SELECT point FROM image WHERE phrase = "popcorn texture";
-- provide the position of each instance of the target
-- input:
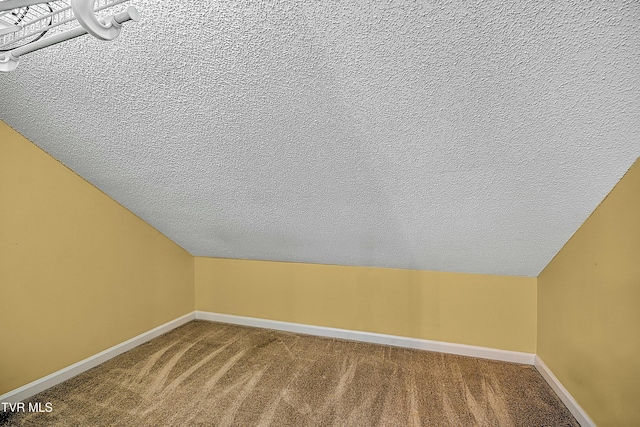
(457, 136)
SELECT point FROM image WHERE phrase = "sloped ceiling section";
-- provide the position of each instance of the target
(453, 136)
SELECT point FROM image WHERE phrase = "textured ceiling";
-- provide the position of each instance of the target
(458, 136)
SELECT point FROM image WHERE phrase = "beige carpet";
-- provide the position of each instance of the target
(212, 374)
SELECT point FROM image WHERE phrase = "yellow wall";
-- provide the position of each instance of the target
(482, 310)
(78, 272)
(589, 309)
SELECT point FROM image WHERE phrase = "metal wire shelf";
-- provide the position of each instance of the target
(28, 25)
(29, 22)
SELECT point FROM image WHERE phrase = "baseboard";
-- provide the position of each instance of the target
(64, 374)
(370, 337)
(571, 404)
(35, 387)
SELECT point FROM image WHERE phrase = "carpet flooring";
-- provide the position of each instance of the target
(212, 374)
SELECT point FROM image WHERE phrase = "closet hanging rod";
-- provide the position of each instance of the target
(131, 14)
(30, 25)
(60, 16)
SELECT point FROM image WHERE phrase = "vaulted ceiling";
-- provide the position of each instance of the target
(452, 136)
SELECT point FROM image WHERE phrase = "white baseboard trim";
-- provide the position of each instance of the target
(35, 387)
(581, 416)
(370, 337)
